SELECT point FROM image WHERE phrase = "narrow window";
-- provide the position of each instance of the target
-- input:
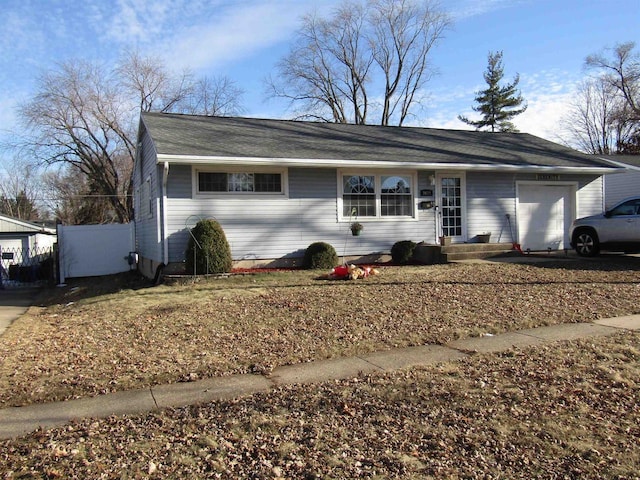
(359, 196)
(396, 198)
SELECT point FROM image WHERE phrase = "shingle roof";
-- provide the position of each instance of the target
(201, 136)
(633, 160)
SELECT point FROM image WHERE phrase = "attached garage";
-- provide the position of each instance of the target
(545, 213)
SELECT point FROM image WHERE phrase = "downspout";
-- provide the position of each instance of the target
(165, 240)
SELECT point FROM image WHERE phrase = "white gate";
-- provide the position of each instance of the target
(94, 250)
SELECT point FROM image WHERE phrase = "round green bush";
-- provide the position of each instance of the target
(402, 251)
(320, 255)
(212, 252)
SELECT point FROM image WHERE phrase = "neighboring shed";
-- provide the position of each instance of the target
(276, 186)
(619, 186)
(23, 248)
(19, 234)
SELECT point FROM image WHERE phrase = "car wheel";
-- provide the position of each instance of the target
(586, 243)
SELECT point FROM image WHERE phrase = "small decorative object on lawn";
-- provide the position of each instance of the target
(356, 228)
(351, 272)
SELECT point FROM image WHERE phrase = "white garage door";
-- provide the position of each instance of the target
(544, 216)
(12, 244)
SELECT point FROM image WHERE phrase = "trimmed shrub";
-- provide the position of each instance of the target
(402, 251)
(212, 252)
(320, 255)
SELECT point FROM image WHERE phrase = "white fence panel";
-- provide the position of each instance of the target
(94, 250)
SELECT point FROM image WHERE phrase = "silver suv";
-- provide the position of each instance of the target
(616, 229)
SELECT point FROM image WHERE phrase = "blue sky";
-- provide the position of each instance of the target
(545, 41)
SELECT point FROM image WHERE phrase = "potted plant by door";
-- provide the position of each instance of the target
(356, 228)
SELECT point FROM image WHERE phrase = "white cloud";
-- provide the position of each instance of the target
(136, 21)
(200, 33)
(544, 115)
(461, 9)
(233, 34)
(548, 95)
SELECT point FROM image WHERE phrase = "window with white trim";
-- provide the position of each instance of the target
(358, 196)
(396, 199)
(377, 196)
(239, 182)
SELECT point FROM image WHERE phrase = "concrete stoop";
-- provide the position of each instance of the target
(431, 254)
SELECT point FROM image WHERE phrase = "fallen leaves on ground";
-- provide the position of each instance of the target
(88, 343)
(564, 410)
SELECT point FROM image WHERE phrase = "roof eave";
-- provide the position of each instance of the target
(27, 228)
(624, 167)
(341, 163)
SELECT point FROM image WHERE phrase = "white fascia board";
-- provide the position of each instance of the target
(625, 167)
(321, 162)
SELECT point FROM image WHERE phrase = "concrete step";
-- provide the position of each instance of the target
(453, 256)
(430, 254)
(475, 247)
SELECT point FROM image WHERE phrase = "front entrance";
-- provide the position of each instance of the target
(451, 198)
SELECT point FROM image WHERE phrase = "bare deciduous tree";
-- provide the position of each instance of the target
(622, 71)
(330, 72)
(80, 118)
(604, 118)
(84, 117)
(592, 121)
(327, 67)
(69, 196)
(19, 191)
(147, 79)
(157, 90)
(404, 32)
(212, 96)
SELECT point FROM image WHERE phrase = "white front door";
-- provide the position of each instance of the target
(451, 201)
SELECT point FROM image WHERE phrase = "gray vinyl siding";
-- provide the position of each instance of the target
(490, 197)
(179, 182)
(620, 186)
(271, 226)
(148, 241)
(277, 226)
(8, 226)
(590, 195)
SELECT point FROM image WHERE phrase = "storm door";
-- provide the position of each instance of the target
(451, 203)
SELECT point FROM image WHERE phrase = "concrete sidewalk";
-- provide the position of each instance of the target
(14, 303)
(17, 421)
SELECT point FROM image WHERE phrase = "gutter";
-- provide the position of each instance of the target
(622, 165)
(163, 210)
(297, 162)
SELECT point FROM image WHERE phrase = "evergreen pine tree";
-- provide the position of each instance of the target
(498, 105)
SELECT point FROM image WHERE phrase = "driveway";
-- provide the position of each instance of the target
(13, 303)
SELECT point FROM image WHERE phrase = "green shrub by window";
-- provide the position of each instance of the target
(320, 255)
(402, 251)
(212, 252)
